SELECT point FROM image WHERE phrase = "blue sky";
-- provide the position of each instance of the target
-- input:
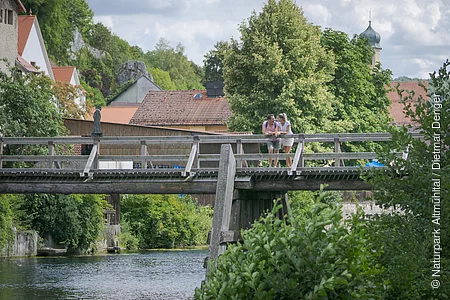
(415, 34)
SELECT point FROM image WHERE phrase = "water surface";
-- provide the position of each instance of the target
(143, 275)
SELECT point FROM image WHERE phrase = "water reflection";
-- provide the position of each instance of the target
(144, 275)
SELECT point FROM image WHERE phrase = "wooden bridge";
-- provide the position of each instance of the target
(209, 164)
(59, 169)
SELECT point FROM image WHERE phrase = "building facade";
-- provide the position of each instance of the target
(9, 10)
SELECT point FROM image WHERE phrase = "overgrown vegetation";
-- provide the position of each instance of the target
(413, 244)
(317, 257)
(166, 221)
(73, 221)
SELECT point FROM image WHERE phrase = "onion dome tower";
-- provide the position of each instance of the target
(374, 39)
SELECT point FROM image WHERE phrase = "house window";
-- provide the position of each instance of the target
(10, 17)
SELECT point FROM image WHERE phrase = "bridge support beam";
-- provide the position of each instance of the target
(224, 198)
(237, 209)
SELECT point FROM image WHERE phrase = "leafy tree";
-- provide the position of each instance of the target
(6, 221)
(183, 73)
(360, 91)
(162, 79)
(27, 106)
(406, 78)
(73, 221)
(320, 257)
(166, 221)
(279, 66)
(67, 95)
(409, 241)
(213, 62)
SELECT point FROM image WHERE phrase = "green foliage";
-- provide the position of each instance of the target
(6, 221)
(183, 73)
(126, 238)
(279, 66)
(213, 62)
(74, 221)
(166, 221)
(360, 91)
(162, 79)
(405, 243)
(321, 257)
(408, 241)
(93, 95)
(27, 107)
(406, 79)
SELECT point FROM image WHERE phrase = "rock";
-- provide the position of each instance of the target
(78, 43)
(131, 70)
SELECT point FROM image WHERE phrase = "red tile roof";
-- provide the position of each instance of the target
(193, 107)
(25, 25)
(115, 114)
(63, 74)
(20, 6)
(396, 110)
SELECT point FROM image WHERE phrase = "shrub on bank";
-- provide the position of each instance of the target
(322, 257)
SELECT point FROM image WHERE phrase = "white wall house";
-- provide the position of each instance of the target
(31, 45)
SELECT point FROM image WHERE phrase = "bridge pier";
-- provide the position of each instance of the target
(234, 209)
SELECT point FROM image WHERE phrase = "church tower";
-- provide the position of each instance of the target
(374, 39)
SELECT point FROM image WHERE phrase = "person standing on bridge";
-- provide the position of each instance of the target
(271, 129)
(285, 128)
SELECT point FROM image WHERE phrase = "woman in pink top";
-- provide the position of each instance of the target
(271, 129)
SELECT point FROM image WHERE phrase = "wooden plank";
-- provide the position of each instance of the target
(337, 149)
(297, 157)
(311, 185)
(223, 202)
(44, 157)
(119, 187)
(90, 161)
(191, 159)
(51, 152)
(144, 153)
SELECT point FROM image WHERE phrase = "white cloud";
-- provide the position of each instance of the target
(414, 33)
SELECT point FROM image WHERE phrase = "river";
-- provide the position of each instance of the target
(143, 275)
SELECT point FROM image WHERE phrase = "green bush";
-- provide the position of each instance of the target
(73, 221)
(166, 221)
(322, 257)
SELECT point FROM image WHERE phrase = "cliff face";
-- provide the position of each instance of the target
(131, 70)
(78, 43)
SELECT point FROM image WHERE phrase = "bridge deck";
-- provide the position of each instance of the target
(60, 171)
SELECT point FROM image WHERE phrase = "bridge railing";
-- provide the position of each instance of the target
(186, 163)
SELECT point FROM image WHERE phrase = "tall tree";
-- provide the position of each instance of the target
(213, 62)
(360, 91)
(279, 66)
(183, 73)
(27, 106)
(413, 242)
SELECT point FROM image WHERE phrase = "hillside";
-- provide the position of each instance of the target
(72, 38)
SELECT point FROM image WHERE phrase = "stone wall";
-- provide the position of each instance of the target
(9, 35)
(25, 244)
